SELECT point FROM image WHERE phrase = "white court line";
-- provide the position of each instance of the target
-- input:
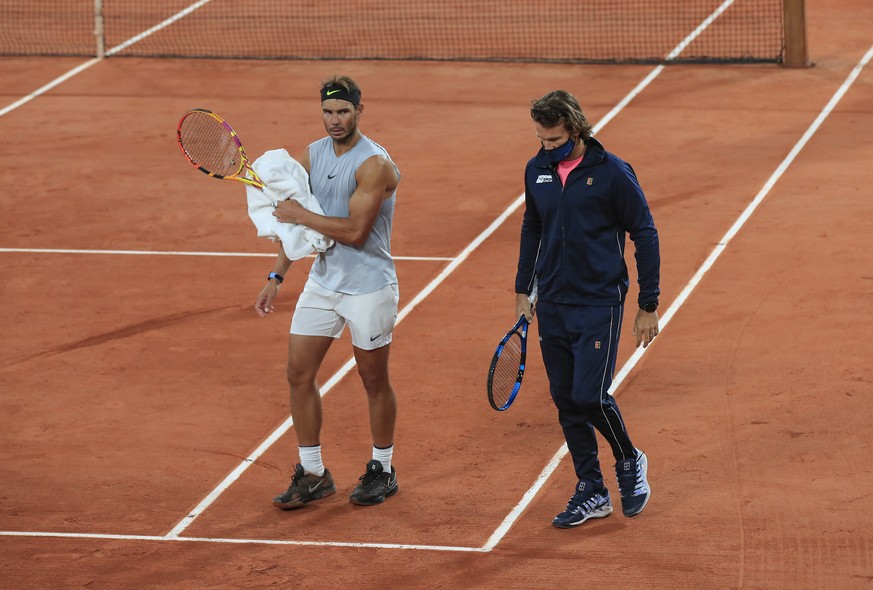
(184, 253)
(549, 469)
(686, 292)
(40, 91)
(747, 213)
(137, 38)
(285, 426)
(242, 541)
(700, 28)
(348, 366)
(507, 523)
(82, 67)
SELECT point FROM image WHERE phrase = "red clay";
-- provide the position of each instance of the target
(132, 385)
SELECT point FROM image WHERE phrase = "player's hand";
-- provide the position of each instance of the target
(289, 211)
(645, 327)
(264, 303)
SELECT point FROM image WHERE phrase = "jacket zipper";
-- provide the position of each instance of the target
(563, 234)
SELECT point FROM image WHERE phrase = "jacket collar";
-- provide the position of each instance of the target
(594, 154)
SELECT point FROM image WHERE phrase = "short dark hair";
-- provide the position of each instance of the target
(560, 107)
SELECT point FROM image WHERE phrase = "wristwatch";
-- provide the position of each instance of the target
(650, 307)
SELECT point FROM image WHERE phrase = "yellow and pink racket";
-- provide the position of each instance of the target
(213, 147)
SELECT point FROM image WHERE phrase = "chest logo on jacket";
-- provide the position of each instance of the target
(590, 181)
(544, 178)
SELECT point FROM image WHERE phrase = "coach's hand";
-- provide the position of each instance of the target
(645, 327)
(523, 306)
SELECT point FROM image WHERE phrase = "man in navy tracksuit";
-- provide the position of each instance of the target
(581, 201)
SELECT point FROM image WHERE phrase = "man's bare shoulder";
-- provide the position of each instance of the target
(305, 161)
(379, 166)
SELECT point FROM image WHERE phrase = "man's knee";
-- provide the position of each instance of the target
(375, 382)
(299, 379)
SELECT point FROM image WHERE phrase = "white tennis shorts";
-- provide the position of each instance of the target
(370, 317)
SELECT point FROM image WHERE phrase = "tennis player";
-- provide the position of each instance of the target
(580, 203)
(354, 283)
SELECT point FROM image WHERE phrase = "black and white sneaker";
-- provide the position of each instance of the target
(375, 485)
(304, 488)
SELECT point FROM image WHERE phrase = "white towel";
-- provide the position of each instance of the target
(284, 177)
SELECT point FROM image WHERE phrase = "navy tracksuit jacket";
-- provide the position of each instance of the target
(573, 244)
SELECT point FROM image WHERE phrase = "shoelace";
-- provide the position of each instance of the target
(295, 479)
(585, 505)
(369, 478)
(636, 476)
(371, 475)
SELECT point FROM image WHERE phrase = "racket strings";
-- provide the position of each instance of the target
(210, 144)
(505, 374)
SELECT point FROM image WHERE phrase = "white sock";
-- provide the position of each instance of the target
(310, 458)
(383, 456)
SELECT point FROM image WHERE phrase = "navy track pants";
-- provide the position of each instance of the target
(579, 345)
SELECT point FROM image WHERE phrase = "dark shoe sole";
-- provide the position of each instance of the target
(375, 501)
(635, 511)
(301, 502)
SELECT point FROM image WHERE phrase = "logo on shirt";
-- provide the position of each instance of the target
(329, 177)
(590, 181)
(544, 178)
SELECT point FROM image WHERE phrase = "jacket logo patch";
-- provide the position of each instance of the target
(544, 178)
(597, 344)
(590, 181)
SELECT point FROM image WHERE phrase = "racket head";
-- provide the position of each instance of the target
(211, 145)
(506, 371)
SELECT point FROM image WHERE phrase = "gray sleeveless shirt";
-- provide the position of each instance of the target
(343, 268)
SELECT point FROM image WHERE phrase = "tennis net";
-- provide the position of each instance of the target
(568, 31)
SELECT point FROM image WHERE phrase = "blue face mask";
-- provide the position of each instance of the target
(559, 153)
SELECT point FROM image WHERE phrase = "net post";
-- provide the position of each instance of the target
(794, 23)
(98, 29)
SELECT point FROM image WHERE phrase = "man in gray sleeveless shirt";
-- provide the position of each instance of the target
(353, 283)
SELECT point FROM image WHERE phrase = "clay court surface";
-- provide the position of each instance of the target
(138, 384)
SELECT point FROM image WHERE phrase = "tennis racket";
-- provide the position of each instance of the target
(213, 147)
(507, 365)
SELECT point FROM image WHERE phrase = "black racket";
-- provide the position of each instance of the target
(507, 365)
